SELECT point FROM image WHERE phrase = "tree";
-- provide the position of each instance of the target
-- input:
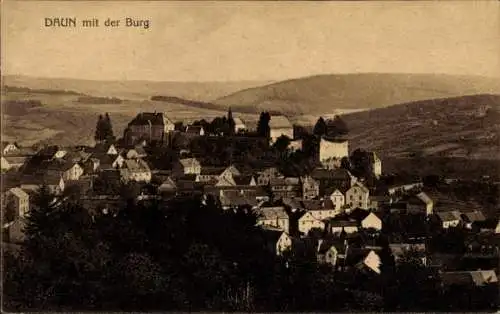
(108, 128)
(337, 127)
(100, 132)
(263, 129)
(230, 122)
(320, 128)
(282, 143)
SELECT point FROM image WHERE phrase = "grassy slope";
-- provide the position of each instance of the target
(65, 121)
(323, 94)
(202, 91)
(441, 127)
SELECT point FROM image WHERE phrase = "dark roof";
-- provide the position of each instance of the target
(40, 179)
(312, 204)
(58, 165)
(359, 214)
(212, 170)
(326, 244)
(194, 129)
(144, 118)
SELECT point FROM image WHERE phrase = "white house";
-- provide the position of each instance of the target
(372, 262)
(187, 166)
(338, 199)
(9, 148)
(308, 222)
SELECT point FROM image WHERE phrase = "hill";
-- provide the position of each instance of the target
(323, 94)
(201, 91)
(466, 126)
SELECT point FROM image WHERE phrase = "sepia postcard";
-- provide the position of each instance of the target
(250, 156)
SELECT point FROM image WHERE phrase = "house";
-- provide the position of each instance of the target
(472, 217)
(295, 145)
(497, 228)
(108, 161)
(230, 172)
(274, 217)
(420, 203)
(68, 170)
(477, 278)
(19, 200)
(338, 199)
(239, 125)
(331, 179)
(318, 209)
(308, 221)
(136, 152)
(285, 187)
(167, 186)
(264, 176)
(310, 188)
(105, 148)
(12, 162)
(369, 261)
(449, 219)
(331, 251)
(330, 149)
(135, 170)
(277, 241)
(9, 148)
(358, 196)
(195, 130)
(54, 183)
(366, 219)
(235, 199)
(417, 250)
(210, 174)
(280, 125)
(186, 166)
(149, 126)
(342, 224)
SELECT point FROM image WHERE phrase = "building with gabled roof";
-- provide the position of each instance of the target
(149, 126)
(186, 166)
(449, 219)
(308, 221)
(358, 196)
(277, 241)
(135, 170)
(274, 217)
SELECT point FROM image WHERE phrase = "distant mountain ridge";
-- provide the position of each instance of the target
(466, 126)
(133, 89)
(323, 94)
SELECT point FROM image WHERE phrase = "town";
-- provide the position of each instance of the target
(324, 214)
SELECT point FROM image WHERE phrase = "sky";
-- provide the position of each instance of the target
(233, 41)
